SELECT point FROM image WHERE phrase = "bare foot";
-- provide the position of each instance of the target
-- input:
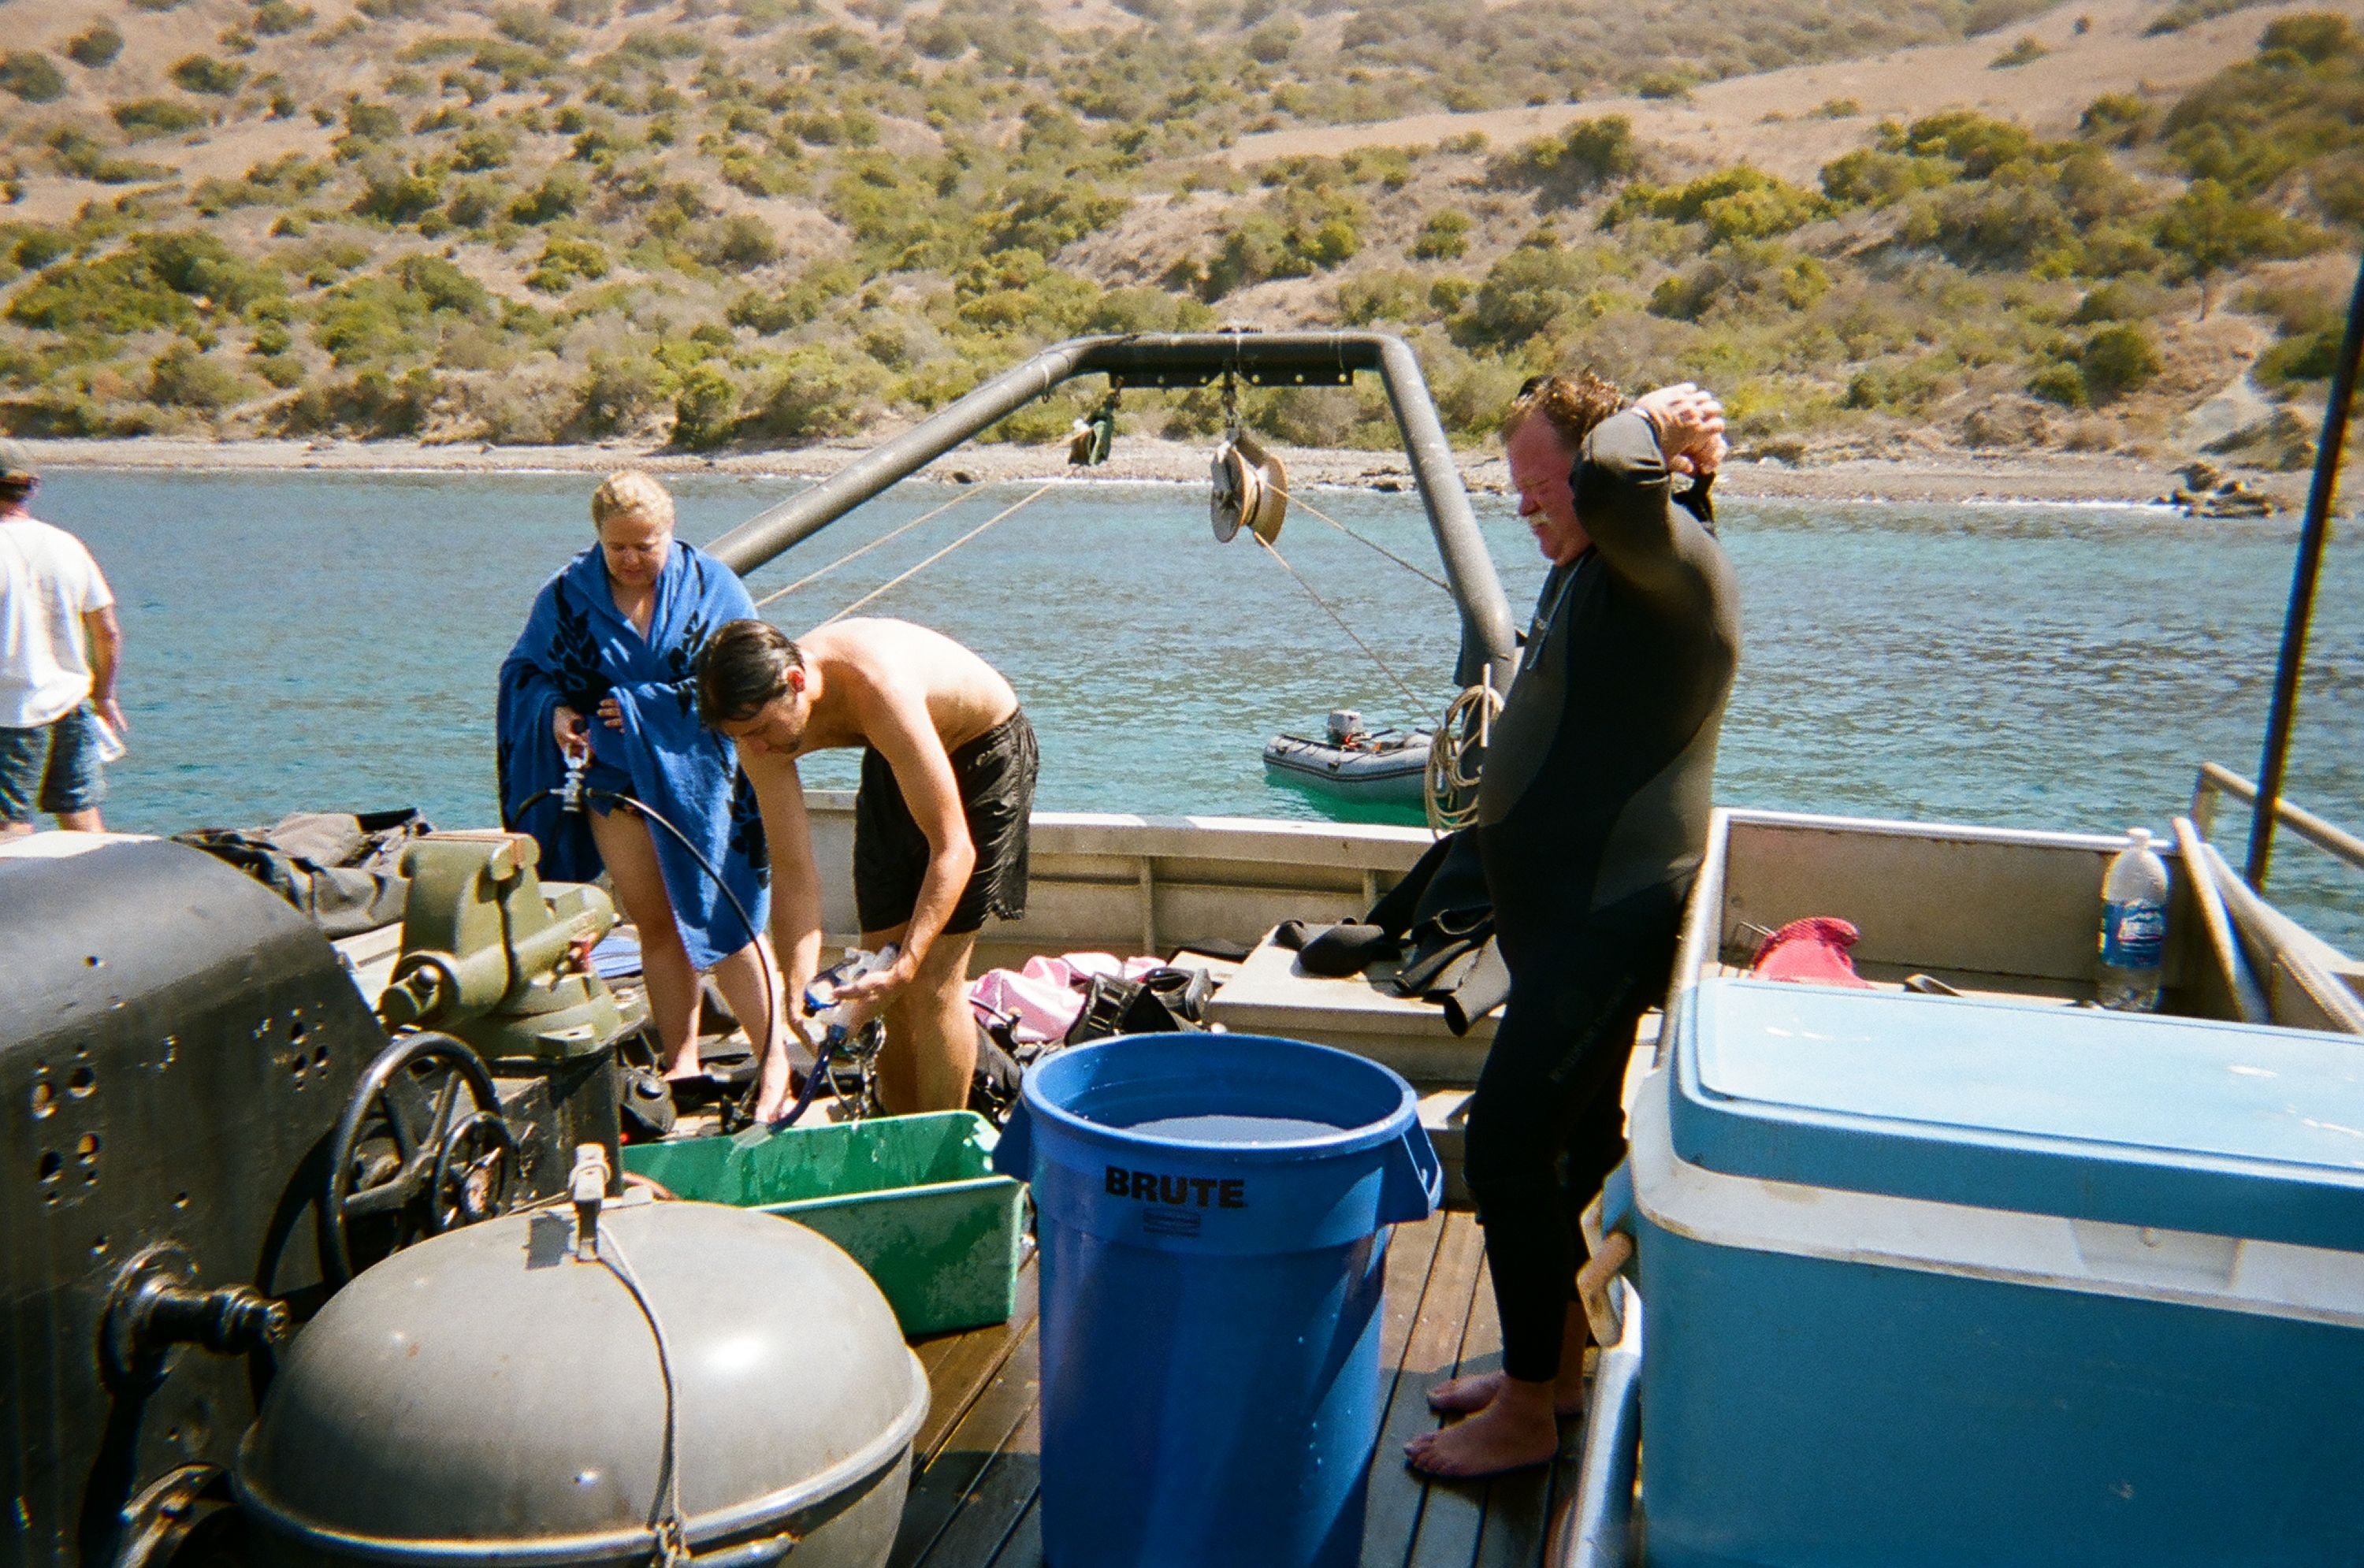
(1465, 1396)
(1509, 1434)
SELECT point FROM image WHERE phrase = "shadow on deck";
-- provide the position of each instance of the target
(975, 1500)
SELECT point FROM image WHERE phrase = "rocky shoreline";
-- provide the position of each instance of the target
(1936, 478)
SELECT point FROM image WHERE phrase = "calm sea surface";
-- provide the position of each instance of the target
(331, 642)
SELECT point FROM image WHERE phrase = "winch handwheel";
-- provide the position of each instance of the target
(421, 1147)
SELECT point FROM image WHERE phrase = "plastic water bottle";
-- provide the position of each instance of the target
(2133, 927)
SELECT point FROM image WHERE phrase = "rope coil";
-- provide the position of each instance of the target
(1449, 783)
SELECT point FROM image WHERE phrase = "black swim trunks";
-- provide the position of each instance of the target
(996, 773)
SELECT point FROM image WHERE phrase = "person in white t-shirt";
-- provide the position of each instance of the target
(59, 647)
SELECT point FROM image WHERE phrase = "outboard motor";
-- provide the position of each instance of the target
(176, 1045)
(632, 1382)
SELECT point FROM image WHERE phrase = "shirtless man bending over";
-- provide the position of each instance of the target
(940, 823)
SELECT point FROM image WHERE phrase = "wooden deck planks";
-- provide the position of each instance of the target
(976, 1499)
(993, 1507)
(961, 1366)
(939, 1492)
(1391, 1517)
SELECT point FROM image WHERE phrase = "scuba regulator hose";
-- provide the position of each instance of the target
(573, 793)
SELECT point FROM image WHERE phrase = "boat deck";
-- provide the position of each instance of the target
(976, 1494)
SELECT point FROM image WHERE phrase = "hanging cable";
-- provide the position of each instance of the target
(1409, 695)
(1010, 510)
(1320, 515)
(668, 1526)
(860, 550)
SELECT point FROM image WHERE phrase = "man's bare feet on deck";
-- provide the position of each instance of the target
(1466, 1396)
(1509, 1434)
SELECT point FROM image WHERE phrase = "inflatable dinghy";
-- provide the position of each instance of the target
(1353, 763)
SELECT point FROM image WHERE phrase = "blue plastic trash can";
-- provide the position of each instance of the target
(1213, 1211)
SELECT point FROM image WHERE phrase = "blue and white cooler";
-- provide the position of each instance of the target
(1932, 1281)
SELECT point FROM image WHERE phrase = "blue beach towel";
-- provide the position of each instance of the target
(576, 649)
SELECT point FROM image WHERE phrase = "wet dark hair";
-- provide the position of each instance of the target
(743, 667)
(15, 491)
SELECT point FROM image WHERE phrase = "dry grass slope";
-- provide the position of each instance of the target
(1880, 226)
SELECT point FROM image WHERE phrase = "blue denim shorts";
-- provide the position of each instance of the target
(52, 767)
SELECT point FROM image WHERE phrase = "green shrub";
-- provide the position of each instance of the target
(1046, 217)
(1869, 177)
(814, 394)
(1980, 144)
(2061, 383)
(2118, 359)
(483, 148)
(2026, 51)
(369, 402)
(2314, 37)
(740, 240)
(705, 408)
(1384, 294)
(1588, 154)
(475, 202)
(2309, 356)
(203, 73)
(801, 302)
(567, 262)
(33, 247)
(1444, 237)
(2119, 120)
(276, 18)
(144, 117)
(1020, 292)
(180, 377)
(31, 76)
(1141, 309)
(94, 47)
(1674, 85)
(2121, 301)
(625, 393)
(391, 195)
(561, 192)
(1739, 203)
(1527, 291)
(371, 122)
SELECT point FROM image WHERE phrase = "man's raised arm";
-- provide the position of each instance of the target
(1624, 475)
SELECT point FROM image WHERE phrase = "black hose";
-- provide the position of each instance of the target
(771, 996)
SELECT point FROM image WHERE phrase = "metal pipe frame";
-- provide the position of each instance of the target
(1195, 358)
(2214, 779)
(2301, 595)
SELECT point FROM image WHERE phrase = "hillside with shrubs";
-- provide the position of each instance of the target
(768, 222)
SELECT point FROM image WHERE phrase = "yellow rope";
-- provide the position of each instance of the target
(1412, 695)
(1013, 507)
(862, 551)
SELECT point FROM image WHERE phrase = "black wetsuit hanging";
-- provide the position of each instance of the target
(1593, 818)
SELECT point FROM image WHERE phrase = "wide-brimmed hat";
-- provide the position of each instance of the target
(16, 464)
(1251, 488)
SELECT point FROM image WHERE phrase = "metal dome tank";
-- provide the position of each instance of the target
(497, 1394)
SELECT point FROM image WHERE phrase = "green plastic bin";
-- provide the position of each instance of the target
(913, 1198)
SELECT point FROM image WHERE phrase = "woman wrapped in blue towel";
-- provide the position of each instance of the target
(615, 636)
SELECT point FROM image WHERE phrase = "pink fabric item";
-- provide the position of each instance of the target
(1043, 999)
(1811, 952)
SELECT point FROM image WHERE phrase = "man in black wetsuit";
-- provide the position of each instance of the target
(1592, 819)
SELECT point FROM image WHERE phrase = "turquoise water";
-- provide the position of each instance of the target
(330, 642)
